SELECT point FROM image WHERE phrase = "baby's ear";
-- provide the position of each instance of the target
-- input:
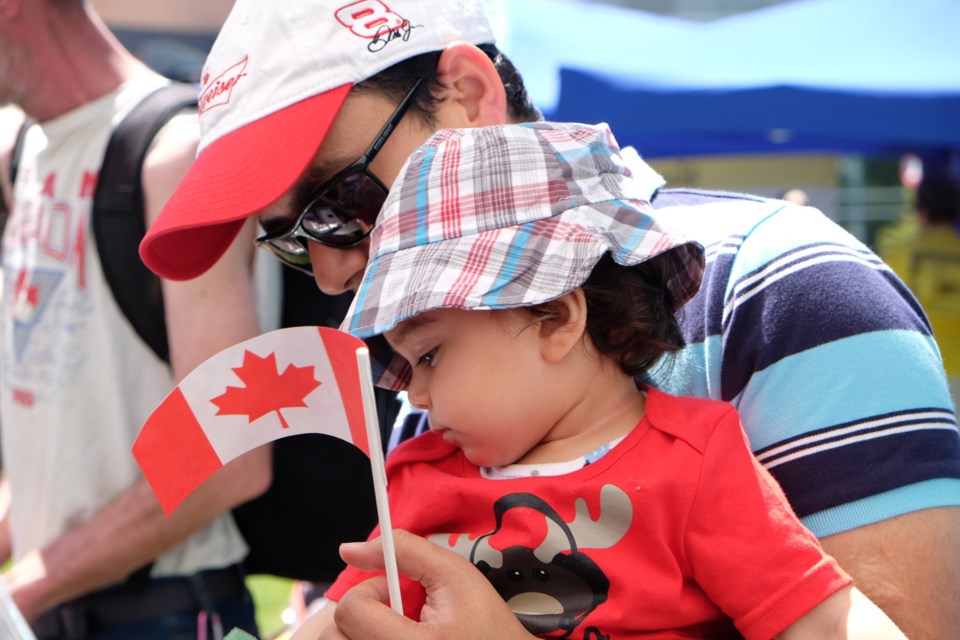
(563, 327)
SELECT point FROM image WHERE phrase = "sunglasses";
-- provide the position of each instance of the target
(344, 209)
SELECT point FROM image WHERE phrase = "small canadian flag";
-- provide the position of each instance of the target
(282, 383)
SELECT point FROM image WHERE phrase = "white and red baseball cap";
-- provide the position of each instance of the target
(272, 85)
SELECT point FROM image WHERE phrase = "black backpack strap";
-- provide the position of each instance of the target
(118, 213)
(17, 151)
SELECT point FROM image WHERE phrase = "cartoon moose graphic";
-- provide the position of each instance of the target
(555, 585)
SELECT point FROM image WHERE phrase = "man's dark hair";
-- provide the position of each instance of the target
(939, 196)
(394, 82)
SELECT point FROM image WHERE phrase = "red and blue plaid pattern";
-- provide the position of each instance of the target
(508, 216)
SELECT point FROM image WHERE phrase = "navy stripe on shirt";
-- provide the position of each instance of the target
(761, 330)
(865, 458)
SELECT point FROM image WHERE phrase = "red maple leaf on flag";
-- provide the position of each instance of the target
(267, 389)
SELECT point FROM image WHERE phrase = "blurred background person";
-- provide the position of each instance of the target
(93, 554)
(929, 263)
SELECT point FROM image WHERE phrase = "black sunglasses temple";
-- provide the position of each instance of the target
(392, 123)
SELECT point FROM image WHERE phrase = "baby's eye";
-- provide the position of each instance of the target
(427, 358)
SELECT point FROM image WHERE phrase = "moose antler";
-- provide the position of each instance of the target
(616, 514)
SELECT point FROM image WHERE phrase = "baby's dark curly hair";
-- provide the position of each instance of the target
(630, 313)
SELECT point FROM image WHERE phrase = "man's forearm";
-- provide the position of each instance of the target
(909, 566)
(129, 533)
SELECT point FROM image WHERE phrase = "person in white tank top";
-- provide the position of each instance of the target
(77, 381)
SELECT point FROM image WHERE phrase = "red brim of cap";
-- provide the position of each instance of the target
(233, 178)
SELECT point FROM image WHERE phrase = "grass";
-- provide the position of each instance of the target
(270, 595)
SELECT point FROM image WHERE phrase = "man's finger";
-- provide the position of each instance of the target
(417, 558)
(362, 615)
(458, 596)
(373, 589)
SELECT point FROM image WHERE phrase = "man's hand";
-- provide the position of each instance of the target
(22, 580)
(460, 603)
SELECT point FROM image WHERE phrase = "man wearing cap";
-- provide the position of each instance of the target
(825, 355)
(92, 551)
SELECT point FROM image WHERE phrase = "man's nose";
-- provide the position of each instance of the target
(337, 270)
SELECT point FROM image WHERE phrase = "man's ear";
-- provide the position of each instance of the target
(474, 95)
(563, 328)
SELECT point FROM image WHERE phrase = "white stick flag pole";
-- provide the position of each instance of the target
(379, 479)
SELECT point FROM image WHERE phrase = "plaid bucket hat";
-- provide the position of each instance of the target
(504, 217)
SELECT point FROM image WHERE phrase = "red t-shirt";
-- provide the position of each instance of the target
(673, 533)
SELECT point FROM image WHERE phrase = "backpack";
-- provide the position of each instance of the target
(322, 490)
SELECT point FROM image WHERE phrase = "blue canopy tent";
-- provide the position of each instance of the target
(846, 76)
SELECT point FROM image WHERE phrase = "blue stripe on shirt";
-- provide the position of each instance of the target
(929, 494)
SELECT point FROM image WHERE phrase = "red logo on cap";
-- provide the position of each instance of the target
(217, 92)
(370, 19)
